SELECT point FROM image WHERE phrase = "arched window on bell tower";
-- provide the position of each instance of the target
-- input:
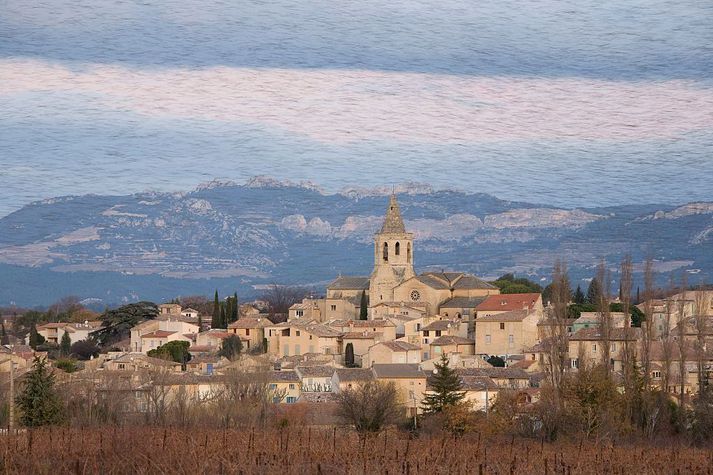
(386, 252)
(408, 252)
(397, 248)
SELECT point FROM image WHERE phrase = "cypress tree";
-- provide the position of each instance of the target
(3, 336)
(39, 402)
(363, 306)
(236, 308)
(579, 296)
(445, 388)
(215, 323)
(200, 323)
(349, 355)
(65, 345)
(34, 337)
(223, 318)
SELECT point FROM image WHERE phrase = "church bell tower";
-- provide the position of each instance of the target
(393, 256)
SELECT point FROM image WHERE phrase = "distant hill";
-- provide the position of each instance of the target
(222, 235)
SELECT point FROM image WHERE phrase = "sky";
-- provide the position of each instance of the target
(571, 103)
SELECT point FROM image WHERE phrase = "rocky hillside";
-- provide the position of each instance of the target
(227, 236)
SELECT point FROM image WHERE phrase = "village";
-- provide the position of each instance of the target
(394, 326)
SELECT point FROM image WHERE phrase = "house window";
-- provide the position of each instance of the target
(425, 333)
(594, 348)
(291, 399)
(502, 326)
(297, 333)
(122, 366)
(511, 340)
(300, 313)
(292, 386)
(334, 308)
(297, 349)
(487, 338)
(656, 374)
(425, 355)
(438, 332)
(418, 327)
(575, 363)
(276, 399)
(273, 386)
(425, 340)
(247, 332)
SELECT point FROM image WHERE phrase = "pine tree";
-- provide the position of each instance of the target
(363, 306)
(349, 355)
(594, 291)
(39, 402)
(65, 345)
(445, 388)
(579, 296)
(215, 323)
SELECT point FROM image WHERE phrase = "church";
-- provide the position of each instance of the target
(394, 288)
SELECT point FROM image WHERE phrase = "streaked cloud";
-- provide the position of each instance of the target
(344, 106)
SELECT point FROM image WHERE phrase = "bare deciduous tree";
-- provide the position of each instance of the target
(370, 407)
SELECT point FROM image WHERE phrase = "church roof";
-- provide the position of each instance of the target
(393, 224)
(349, 283)
(453, 280)
(462, 302)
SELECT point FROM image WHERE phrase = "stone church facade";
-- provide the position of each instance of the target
(393, 283)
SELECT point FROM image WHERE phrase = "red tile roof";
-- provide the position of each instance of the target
(508, 302)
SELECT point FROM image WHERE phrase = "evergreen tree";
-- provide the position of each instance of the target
(223, 318)
(349, 355)
(363, 306)
(4, 339)
(231, 347)
(35, 338)
(39, 402)
(228, 311)
(65, 345)
(638, 296)
(200, 323)
(445, 388)
(236, 309)
(594, 291)
(579, 296)
(215, 323)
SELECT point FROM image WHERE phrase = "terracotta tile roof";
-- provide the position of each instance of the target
(451, 340)
(400, 346)
(315, 371)
(440, 325)
(287, 376)
(158, 334)
(354, 374)
(507, 302)
(349, 283)
(398, 370)
(511, 316)
(250, 322)
(365, 335)
(462, 302)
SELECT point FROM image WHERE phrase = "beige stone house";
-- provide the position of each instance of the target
(315, 378)
(53, 332)
(251, 330)
(361, 341)
(308, 309)
(449, 344)
(409, 328)
(392, 352)
(213, 338)
(593, 319)
(290, 338)
(586, 347)
(284, 386)
(439, 328)
(347, 378)
(133, 362)
(502, 303)
(388, 310)
(383, 326)
(409, 380)
(169, 309)
(504, 378)
(506, 333)
(481, 392)
(151, 334)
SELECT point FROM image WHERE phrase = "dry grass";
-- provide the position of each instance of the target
(301, 451)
